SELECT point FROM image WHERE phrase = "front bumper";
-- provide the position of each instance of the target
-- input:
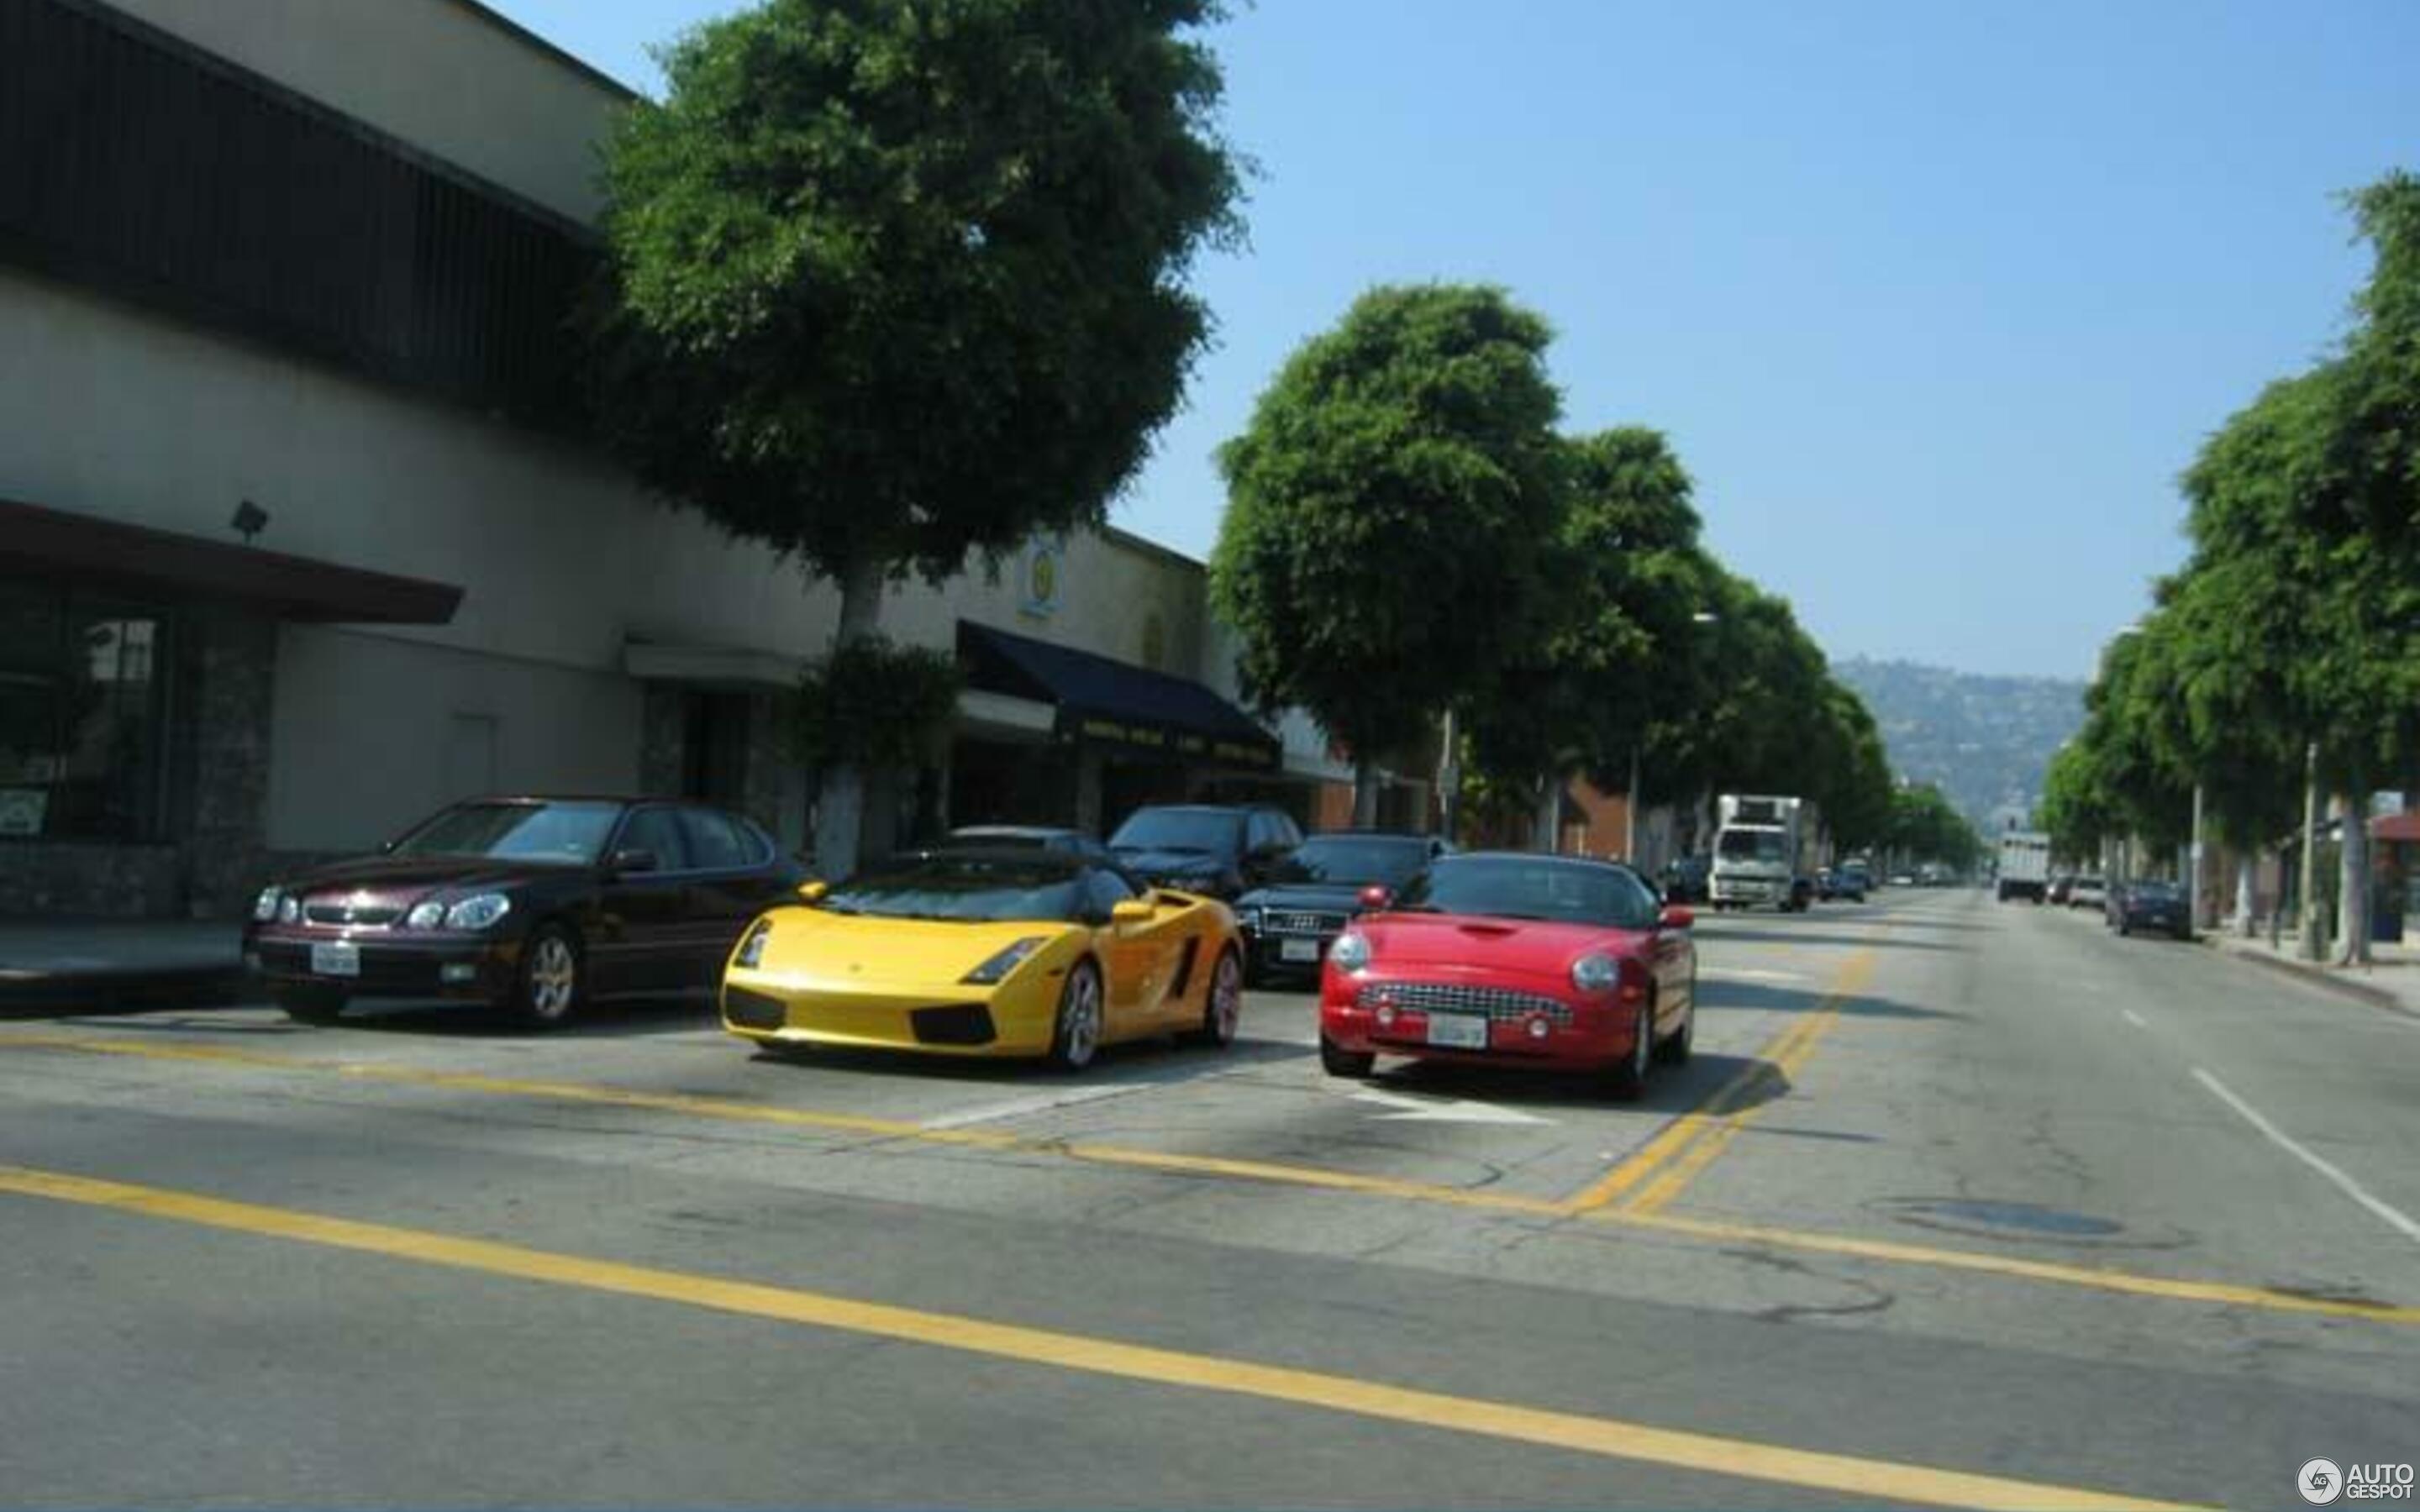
(771, 1009)
(1750, 891)
(388, 963)
(1528, 1024)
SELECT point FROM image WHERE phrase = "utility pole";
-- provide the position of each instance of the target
(1449, 782)
(2193, 870)
(2313, 948)
(1630, 812)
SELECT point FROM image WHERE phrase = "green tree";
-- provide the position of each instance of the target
(1629, 580)
(1390, 508)
(895, 281)
(1927, 826)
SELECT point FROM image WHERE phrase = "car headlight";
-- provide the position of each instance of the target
(264, 907)
(290, 909)
(427, 914)
(1006, 961)
(1249, 918)
(478, 911)
(1350, 952)
(1596, 972)
(752, 949)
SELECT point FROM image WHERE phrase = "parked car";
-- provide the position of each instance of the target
(1501, 959)
(2060, 886)
(1214, 851)
(2088, 892)
(1038, 837)
(1903, 879)
(2150, 905)
(537, 905)
(986, 952)
(1289, 923)
(1686, 879)
(1846, 884)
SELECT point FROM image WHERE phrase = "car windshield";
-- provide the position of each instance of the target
(1520, 886)
(1355, 860)
(1201, 830)
(974, 889)
(2152, 893)
(1753, 846)
(563, 832)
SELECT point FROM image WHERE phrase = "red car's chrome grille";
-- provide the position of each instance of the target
(341, 913)
(1497, 1003)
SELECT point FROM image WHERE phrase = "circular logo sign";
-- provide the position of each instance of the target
(2319, 1481)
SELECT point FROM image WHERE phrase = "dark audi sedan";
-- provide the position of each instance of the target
(538, 906)
(1291, 920)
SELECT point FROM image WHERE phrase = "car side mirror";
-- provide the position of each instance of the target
(1676, 918)
(1375, 897)
(813, 892)
(1132, 911)
(626, 862)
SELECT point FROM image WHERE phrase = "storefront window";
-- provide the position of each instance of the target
(81, 727)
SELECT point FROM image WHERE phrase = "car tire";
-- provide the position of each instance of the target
(1337, 1061)
(1219, 1023)
(553, 978)
(311, 1005)
(1630, 1077)
(1676, 1048)
(1075, 1032)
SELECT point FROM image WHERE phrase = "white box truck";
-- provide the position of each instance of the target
(1758, 842)
(2025, 865)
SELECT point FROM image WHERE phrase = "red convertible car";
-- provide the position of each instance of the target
(1514, 959)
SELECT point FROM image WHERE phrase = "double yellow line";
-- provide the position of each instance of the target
(1660, 1169)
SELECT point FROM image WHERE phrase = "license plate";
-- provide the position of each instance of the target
(1458, 1031)
(1298, 950)
(336, 958)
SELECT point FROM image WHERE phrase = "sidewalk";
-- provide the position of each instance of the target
(2393, 984)
(61, 965)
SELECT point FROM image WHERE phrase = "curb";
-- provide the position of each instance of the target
(42, 995)
(2321, 977)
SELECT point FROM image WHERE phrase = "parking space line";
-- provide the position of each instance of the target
(1611, 1438)
(2133, 1018)
(2395, 1217)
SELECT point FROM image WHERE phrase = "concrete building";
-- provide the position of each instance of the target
(300, 539)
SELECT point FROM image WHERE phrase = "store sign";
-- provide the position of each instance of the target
(22, 811)
(1129, 734)
(1045, 561)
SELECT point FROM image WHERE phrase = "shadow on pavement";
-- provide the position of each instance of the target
(623, 1018)
(1137, 1063)
(1670, 1089)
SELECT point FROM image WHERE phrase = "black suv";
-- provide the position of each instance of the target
(1218, 852)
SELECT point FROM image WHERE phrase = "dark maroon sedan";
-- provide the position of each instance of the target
(534, 904)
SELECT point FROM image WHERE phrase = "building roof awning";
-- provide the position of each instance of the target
(2400, 827)
(141, 558)
(1115, 704)
(728, 669)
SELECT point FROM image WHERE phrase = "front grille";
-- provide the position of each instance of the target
(958, 1024)
(348, 913)
(754, 1011)
(1499, 1004)
(1303, 923)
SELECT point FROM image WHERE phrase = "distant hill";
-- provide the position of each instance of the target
(1984, 740)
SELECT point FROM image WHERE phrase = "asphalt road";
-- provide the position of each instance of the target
(1957, 1204)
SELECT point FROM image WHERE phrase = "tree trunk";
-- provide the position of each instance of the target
(1365, 794)
(839, 811)
(2243, 902)
(2353, 916)
(1550, 810)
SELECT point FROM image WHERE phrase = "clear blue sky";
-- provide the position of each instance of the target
(1933, 298)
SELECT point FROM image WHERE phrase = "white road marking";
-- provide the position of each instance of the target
(1422, 1110)
(1025, 1107)
(2133, 1018)
(2395, 1217)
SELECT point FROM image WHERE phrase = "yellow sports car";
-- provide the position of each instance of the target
(987, 952)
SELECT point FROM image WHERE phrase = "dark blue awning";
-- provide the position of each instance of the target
(1114, 704)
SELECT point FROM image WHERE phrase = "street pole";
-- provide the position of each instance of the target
(1449, 783)
(2193, 870)
(1630, 812)
(2312, 949)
